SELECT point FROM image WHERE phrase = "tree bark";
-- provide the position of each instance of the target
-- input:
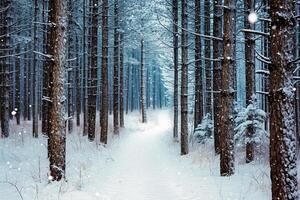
(56, 48)
(217, 69)
(198, 113)
(282, 117)
(228, 92)
(142, 85)
(92, 90)
(6, 21)
(121, 81)
(250, 74)
(116, 68)
(104, 100)
(184, 80)
(175, 60)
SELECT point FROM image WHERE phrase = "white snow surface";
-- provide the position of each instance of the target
(143, 163)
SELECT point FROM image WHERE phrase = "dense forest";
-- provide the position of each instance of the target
(92, 88)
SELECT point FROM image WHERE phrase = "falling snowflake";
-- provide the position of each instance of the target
(13, 113)
(252, 17)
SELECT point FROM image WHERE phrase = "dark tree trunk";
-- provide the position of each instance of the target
(175, 54)
(198, 68)
(116, 68)
(104, 100)
(121, 81)
(92, 90)
(217, 69)
(18, 89)
(228, 92)
(45, 90)
(250, 74)
(56, 48)
(283, 156)
(142, 85)
(6, 21)
(184, 80)
(35, 74)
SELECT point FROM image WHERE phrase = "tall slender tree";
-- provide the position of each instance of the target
(104, 97)
(175, 60)
(142, 85)
(92, 90)
(250, 74)
(116, 67)
(228, 92)
(6, 21)
(56, 48)
(184, 79)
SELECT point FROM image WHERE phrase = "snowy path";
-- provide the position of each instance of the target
(143, 164)
(147, 166)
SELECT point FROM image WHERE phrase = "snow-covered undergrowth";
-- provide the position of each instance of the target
(143, 163)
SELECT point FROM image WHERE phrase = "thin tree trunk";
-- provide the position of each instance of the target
(92, 90)
(6, 21)
(217, 69)
(121, 81)
(18, 89)
(175, 53)
(85, 74)
(56, 48)
(198, 68)
(142, 85)
(228, 92)
(104, 100)
(184, 80)
(116, 68)
(283, 156)
(250, 75)
(35, 73)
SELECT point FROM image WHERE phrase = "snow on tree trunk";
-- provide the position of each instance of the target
(227, 91)
(104, 71)
(282, 117)
(57, 134)
(184, 80)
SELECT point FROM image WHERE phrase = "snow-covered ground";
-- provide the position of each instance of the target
(143, 163)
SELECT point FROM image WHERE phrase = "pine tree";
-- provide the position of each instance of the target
(56, 48)
(283, 156)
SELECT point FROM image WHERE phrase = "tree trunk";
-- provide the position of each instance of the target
(142, 85)
(228, 92)
(217, 69)
(56, 48)
(250, 75)
(184, 80)
(121, 81)
(18, 89)
(198, 113)
(104, 100)
(175, 53)
(283, 156)
(92, 90)
(207, 53)
(116, 67)
(6, 21)
(45, 90)
(35, 73)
